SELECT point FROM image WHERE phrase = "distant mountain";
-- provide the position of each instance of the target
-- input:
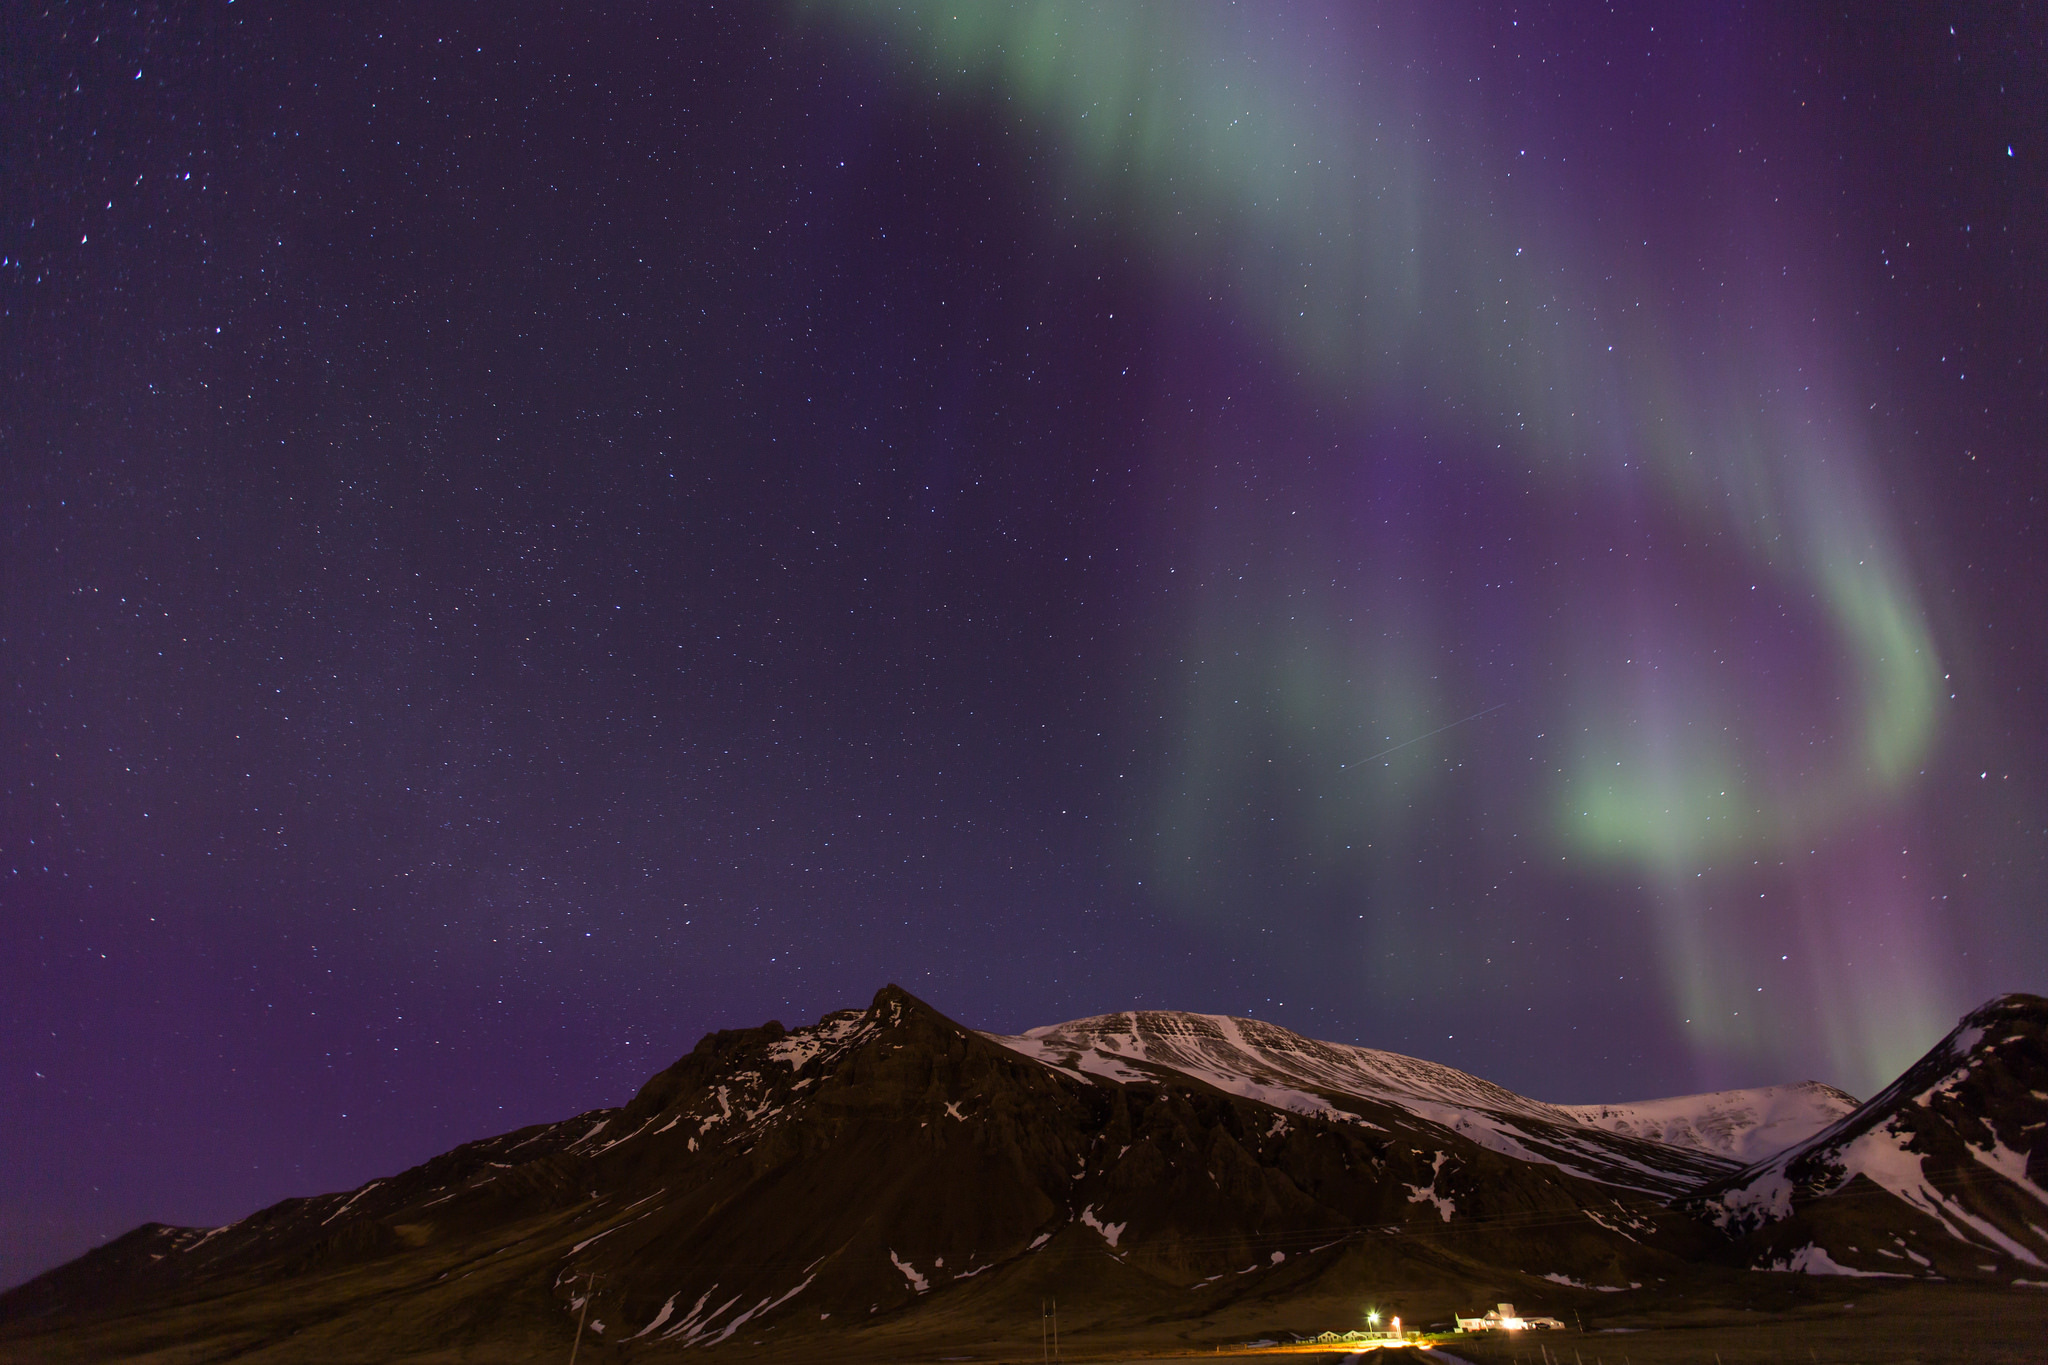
(1745, 1125)
(886, 1177)
(1943, 1173)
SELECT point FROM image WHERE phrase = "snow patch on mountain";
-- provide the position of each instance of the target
(694, 1325)
(1812, 1260)
(918, 1283)
(1110, 1231)
(1622, 1222)
(1960, 1044)
(661, 1317)
(765, 1306)
(338, 1212)
(827, 1038)
(1418, 1194)
(2010, 1164)
(1881, 1155)
(1555, 1278)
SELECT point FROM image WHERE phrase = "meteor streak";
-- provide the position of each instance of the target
(1439, 730)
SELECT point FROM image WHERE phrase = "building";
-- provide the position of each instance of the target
(1502, 1317)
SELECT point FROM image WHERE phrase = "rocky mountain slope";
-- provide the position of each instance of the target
(1943, 1173)
(886, 1176)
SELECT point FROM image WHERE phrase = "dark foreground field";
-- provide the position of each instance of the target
(1908, 1325)
(1862, 1325)
(1857, 1324)
(1796, 1320)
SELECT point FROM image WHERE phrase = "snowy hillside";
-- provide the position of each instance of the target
(1277, 1067)
(1745, 1125)
(1946, 1168)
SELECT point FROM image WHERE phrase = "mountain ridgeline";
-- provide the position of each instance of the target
(888, 1176)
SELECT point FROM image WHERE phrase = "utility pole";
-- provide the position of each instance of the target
(589, 1291)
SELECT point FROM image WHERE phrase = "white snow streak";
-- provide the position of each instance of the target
(338, 1212)
(1555, 1278)
(659, 1318)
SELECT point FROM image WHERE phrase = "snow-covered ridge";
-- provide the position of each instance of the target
(1862, 1142)
(1878, 1142)
(1248, 1057)
(1278, 1067)
(1745, 1125)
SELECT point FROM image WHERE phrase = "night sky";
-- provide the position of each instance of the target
(1508, 533)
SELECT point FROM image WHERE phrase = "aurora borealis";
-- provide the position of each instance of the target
(1507, 534)
(1760, 676)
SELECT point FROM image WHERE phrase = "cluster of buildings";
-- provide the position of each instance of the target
(1392, 1335)
(1502, 1317)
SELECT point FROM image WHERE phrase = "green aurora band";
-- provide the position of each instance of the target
(1320, 177)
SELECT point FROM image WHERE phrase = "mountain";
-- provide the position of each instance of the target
(1745, 1125)
(886, 1179)
(1269, 1064)
(1943, 1173)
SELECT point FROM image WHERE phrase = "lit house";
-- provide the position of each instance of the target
(1502, 1317)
